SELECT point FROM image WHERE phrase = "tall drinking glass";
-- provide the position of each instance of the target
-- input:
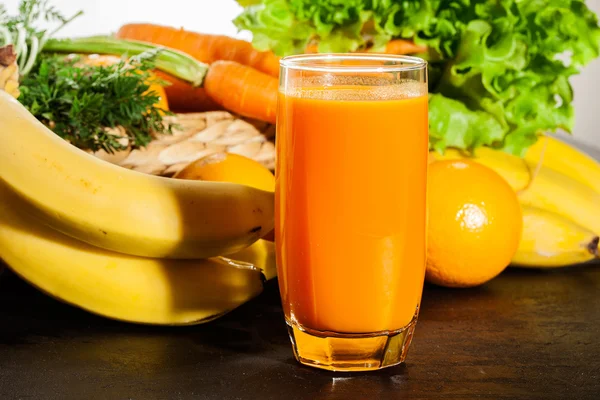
(350, 206)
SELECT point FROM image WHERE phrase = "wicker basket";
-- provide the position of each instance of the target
(198, 135)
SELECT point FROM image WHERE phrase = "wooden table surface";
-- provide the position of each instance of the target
(524, 335)
(528, 334)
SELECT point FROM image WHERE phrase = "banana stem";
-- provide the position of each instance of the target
(173, 62)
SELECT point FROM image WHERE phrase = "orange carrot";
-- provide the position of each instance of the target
(396, 46)
(401, 46)
(204, 47)
(183, 97)
(242, 90)
(311, 48)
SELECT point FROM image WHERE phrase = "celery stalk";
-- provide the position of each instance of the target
(173, 62)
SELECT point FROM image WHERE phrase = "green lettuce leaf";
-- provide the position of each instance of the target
(246, 3)
(498, 69)
(275, 27)
(452, 124)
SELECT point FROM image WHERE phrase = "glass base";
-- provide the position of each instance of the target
(351, 352)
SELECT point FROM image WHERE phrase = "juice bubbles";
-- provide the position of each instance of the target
(351, 203)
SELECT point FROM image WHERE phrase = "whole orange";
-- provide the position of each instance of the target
(475, 223)
(229, 167)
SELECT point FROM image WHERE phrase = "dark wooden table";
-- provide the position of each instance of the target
(528, 334)
(524, 335)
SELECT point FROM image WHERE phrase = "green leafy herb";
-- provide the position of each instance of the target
(79, 102)
(23, 31)
(93, 107)
(499, 69)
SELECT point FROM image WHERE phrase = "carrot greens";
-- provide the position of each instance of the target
(94, 107)
(24, 31)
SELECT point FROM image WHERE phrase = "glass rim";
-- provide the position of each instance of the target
(303, 62)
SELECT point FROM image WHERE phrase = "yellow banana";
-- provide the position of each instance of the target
(568, 160)
(549, 189)
(549, 240)
(513, 169)
(123, 210)
(123, 287)
(261, 254)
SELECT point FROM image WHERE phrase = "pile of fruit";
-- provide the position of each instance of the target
(157, 209)
(494, 209)
(130, 245)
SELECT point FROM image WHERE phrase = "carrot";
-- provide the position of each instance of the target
(183, 97)
(204, 47)
(311, 48)
(242, 90)
(401, 46)
(395, 46)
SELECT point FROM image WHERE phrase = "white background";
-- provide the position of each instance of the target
(214, 16)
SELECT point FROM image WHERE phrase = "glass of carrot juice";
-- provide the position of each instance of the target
(350, 206)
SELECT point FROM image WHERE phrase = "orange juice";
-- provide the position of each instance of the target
(351, 206)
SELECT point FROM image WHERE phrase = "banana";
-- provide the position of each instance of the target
(560, 156)
(261, 254)
(549, 240)
(513, 169)
(121, 210)
(9, 71)
(124, 287)
(548, 189)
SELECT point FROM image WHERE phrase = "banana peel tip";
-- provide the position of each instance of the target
(593, 246)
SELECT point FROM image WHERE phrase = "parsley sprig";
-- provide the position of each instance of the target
(81, 103)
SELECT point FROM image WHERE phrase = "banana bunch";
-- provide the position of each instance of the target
(122, 210)
(9, 71)
(123, 244)
(559, 191)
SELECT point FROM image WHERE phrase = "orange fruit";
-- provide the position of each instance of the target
(229, 167)
(475, 223)
(159, 91)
